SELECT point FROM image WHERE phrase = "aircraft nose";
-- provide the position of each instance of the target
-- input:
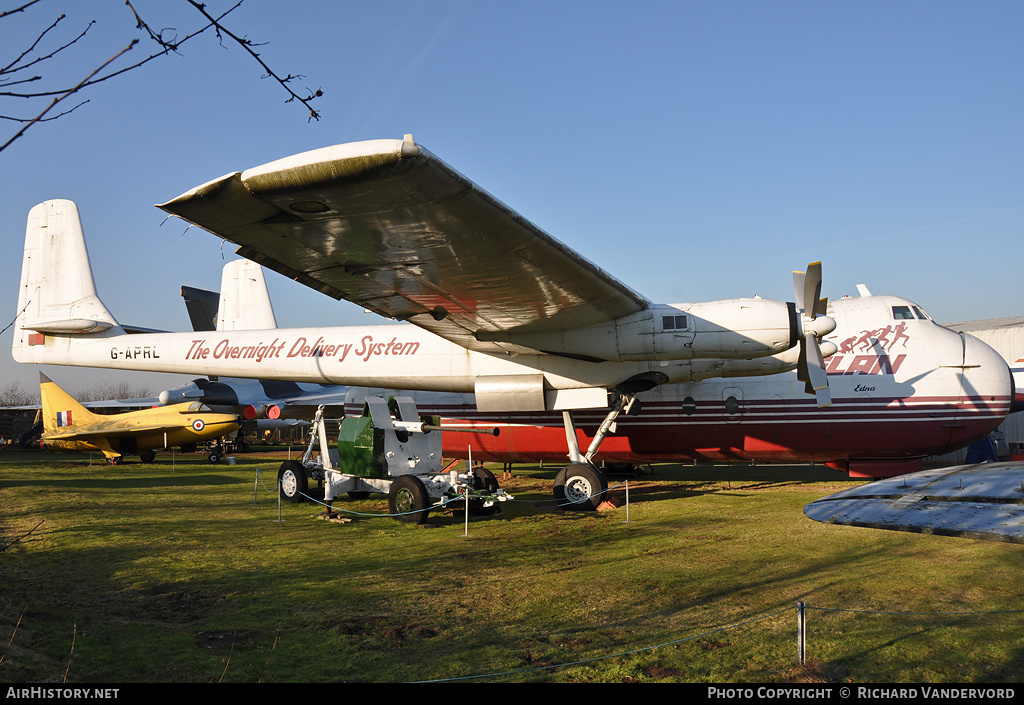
(987, 378)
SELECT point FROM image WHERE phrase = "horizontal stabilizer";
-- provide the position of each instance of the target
(72, 325)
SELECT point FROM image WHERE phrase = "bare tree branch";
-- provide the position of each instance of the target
(17, 9)
(247, 45)
(13, 66)
(48, 119)
(167, 44)
(74, 90)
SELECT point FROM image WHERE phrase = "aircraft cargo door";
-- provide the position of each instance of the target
(984, 387)
(956, 424)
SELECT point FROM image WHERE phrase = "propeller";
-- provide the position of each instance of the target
(813, 326)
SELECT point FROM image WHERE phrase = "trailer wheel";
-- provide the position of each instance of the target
(484, 479)
(291, 479)
(408, 499)
(580, 487)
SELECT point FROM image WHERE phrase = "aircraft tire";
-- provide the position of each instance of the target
(580, 487)
(623, 468)
(408, 499)
(291, 481)
(148, 457)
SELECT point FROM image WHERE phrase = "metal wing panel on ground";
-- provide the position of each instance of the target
(972, 501)
(387, 225)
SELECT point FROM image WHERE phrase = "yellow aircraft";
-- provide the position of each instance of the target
(67, 425)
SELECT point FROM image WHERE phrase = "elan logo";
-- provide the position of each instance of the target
(868, 352)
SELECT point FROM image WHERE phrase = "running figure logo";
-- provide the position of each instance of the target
(869, 352)
(877, 340)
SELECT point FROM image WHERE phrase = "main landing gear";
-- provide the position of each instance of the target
(581, 485)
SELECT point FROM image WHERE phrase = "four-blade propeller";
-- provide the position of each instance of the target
(814, 325)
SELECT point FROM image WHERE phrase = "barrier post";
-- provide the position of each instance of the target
(279, 519)
(801, 631)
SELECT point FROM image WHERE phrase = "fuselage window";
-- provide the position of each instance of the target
(673, 322)
(902, 313)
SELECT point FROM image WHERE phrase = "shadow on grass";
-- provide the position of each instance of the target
(163, 587)
(126, 483)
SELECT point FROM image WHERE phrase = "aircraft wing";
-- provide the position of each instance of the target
(110, 432)
(973, 501)
(389, 226)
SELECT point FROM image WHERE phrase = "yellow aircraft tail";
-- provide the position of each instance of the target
(60, 410)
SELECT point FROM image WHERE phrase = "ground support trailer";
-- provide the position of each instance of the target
(390, 450)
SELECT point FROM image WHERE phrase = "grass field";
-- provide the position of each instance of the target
(154, 573)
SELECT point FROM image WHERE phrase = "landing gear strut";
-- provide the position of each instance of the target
(581, 485)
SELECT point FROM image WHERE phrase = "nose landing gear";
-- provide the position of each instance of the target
(581, 485)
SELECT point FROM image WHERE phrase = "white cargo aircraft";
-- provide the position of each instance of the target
(503, 311)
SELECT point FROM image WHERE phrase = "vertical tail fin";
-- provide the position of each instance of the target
(244, 301)
(57, 293)
(60, 409)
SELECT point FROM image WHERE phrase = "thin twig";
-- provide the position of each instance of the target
(3, 656)
(74, 634)
(267, 664)
(77, 88)
(247, 45)
(23, 536)
(230, 651)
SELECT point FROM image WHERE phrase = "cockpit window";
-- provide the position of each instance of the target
(902, 313)
(673, 322)
(921, 314)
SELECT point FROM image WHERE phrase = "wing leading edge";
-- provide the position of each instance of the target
(387, 225)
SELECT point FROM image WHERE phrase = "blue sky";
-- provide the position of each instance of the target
(695, 150)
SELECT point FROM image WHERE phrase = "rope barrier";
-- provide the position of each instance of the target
(616, 655)
(798, 608)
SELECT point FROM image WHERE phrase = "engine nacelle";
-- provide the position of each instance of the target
(732, 329)
(206, 391)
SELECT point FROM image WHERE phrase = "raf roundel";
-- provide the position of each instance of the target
(198, 425)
